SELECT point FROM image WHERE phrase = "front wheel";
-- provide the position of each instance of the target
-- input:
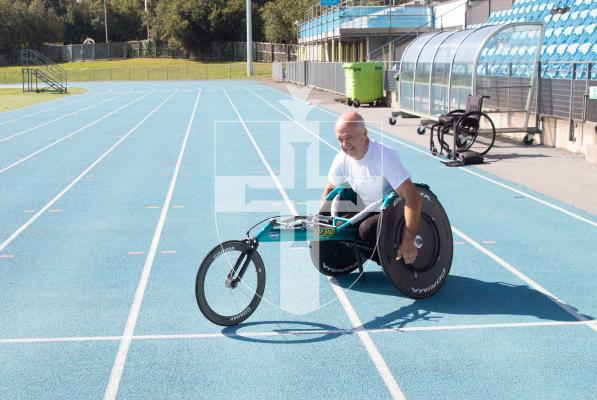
(230, 282)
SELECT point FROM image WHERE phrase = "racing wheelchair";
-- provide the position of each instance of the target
(472, 130)
(231, 279)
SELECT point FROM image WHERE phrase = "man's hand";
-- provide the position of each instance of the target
(412, 214)
(407, 252)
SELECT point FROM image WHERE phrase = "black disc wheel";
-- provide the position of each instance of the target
(331, 257)
(356, 103)
(230, 283)
(392, 121)
(474, 131)
(434, 244)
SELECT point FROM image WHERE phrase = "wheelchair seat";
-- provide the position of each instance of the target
(473, 103)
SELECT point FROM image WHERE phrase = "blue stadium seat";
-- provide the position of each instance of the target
(570, 54)
(559, 53)
(564, 19)
(589, 33)
(577, 33)
(582, 17)
(550, 51)
(567, 33)
(586, 4)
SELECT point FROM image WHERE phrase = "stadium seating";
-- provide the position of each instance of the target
(570, 32)
(570, 35)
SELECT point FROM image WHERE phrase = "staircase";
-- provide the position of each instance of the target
(40, 74)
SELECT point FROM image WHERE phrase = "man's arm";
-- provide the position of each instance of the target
(328, 188)
(412, 215)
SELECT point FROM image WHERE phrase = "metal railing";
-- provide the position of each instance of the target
(376, 20)
(558, 97)
(218, 51)
(35, 64)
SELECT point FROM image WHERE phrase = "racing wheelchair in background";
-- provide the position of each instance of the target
(231, 279)
(472, 131)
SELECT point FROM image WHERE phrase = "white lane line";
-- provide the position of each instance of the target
(53, 108)
(491, 255)
(303, 332)
(569, 309)
(372, 350)
(60, 339)
(465, 169)
(378, 360)
(4, 139)
(70, 135)
(260, 153)
(129, 330)
(77, 179)
(7, 256)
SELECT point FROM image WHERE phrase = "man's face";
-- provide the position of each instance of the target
(352, 138)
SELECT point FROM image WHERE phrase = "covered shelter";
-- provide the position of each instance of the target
(439, 70)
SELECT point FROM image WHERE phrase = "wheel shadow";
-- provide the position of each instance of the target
(460, 296)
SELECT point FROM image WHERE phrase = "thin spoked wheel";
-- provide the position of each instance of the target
(475, 131)
(230, 282)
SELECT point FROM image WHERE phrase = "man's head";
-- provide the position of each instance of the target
(352, 134)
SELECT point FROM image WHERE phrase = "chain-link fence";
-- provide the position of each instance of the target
(160, 73)
(218, 51)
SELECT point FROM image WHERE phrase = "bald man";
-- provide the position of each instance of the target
(373, 170)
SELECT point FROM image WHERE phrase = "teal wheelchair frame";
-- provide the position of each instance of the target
(416, 281)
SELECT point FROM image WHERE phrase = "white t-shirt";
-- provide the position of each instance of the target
(379, 172)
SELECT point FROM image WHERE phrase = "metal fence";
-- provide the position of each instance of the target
(161, 73)
(218, 51)
(558, 97)
(326, 76)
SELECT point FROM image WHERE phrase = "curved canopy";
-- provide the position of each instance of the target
(439, 70)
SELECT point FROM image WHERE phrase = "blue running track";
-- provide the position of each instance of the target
(111, 199)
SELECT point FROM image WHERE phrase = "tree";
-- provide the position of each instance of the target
(183, 24)
(229, 19)
(280, 18)
(28, 24)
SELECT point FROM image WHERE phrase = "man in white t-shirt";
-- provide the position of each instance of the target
(373, 170)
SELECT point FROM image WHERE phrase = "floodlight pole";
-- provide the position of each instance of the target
(147, 16)
(106, 20)
(249, 41)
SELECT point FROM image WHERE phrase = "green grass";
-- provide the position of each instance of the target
(143, 69)
(12, 98)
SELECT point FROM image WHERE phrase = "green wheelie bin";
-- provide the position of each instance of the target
(364, 83)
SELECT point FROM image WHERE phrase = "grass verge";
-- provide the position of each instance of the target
(13, 98)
